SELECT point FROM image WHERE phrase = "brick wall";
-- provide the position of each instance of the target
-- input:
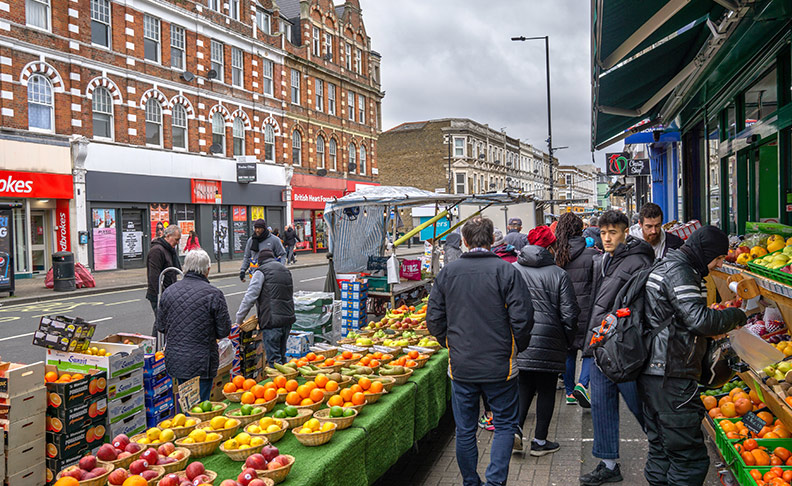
(415, 158)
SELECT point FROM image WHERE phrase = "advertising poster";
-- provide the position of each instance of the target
(104, 239)
(160, 219)
(186, 227)
(256, 212)
(223, 237)
(240, 228)
(132, 241)
(6, 240)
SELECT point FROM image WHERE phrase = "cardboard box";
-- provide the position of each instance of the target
(298, 343)
(130, 426)
(64, 445)
(158, 389)
(353, 286)
(25, 456)
(123, 359)
(16, 379)
(34, 476)
(121, 408)
(70, 394)
(159, 410)
(354, 304)
(353, 314)
(152, 366)
(146, 343)
(24, 406)
(78, 417)
(54, 466)
(125, 385)
(64, 333)
(23, 431)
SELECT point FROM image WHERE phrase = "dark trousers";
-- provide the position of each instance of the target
(290, 254)
(605, 412)
(673, 413)
(154, 308)
(569, 374)
(205, 388)
(542, 384)
(503, 399)
(275, 344)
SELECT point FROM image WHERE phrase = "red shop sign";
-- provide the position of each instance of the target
(36, 185)
(206, 192)
(311, 198)
(63, 238)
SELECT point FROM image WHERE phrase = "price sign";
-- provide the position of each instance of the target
(753, 422)
(189, 394)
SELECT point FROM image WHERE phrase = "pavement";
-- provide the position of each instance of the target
(433, 461)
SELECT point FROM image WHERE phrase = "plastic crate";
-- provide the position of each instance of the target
(745, 478)
(378, 284)
(777, 275)
(743, 471)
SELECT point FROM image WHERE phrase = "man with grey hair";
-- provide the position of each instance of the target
(163, 254)
(193, 315)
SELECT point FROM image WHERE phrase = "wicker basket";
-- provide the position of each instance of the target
(276, 475)
(374, 369)
(205, 416)
(331, 369)
(101, 480)
(346, 341)
(160, 472)
(315, 439)
(421, 362)
(178, 465)
(240, 455)
(346, 362)
(235, 397)
(313, 407)
(125, 462)
(272, 437)
(387, 382)
(302, 416)
(201, 449)
(281, 397)
(422, 332)
(401, 379)
(346, 382)
(211, 474)
(372, 398)
(357, 408)
(246, 419)
(341, 422)
(225, 434)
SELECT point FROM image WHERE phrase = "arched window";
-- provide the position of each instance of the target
(269, 143)
(320, 152)
(102, 104)
(332, 153)
(352, 157)
(362, 160)
(218, 132)
(179, 126)
(238, 133)
(41, 106)
(296, 148)
(153, 122)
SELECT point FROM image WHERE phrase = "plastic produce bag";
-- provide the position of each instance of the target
(754, 350)
(313, 312)
(393, 270)
(226, 351)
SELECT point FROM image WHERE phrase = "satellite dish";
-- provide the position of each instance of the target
(187, 76)
(321, 172)
(216, 148)
(352, 167)
(212, 74)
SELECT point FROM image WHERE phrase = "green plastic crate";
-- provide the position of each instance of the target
(777, 275)
(744, 471)
(746, 479)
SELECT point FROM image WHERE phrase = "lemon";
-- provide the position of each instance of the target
(327, 426)
(188, 440)
(153, 433)
(273, 428)
(188, 423)
(254, 429)
(305, 430)
(156, 441)
(243, 438)
(266, 421)
(212, 437)
(230, 444)
(198, 435)
(94, 351)
(277, 422)
(143, 441)
(102, 352)
(231, 423)
(245, 446)
(166, 424)
(312, 424)
(256, 442)
(167, 435)
(218, 422)
(178, 420)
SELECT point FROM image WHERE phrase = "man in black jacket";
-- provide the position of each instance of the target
(290, 239)
(272, 290)
(480, 309)
(676, 308)
(193, 315)
(163, 254)
(262, 239)
(624, 255)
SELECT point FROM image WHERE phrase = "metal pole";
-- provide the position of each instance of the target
(217, 238)
(549, 116)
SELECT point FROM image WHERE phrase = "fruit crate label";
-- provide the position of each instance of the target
(753, 422)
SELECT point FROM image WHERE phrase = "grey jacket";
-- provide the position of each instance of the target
(271, 242)
(272, 291)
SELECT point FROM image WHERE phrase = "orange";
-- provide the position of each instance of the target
(329, 362)
(364, 383)
(310, 356)
(291, 385)
(248, 398)
(135, 481)
(761, 457)
(358, 398)
(376, 387)
(413, 354)
(67, 481)
(346, 354)
(771, 435)
(374, 363)
(270, 384)
(709, 402)
(335, 401)
(310, 385)
(742, 406)
(756, 474)
(348, 404)
(410, 364)
(377, 355)
(317, 395)
(65, 378)
(303, 391)
(728, 426)
(723, 400)
(51, 377)
(248, 384)
(714, 412)
(740, 394)
(229, 387)
(258, 391)
(365, 361)
(754, 397)
(782, 432)
(748, 458)
(293, 398)
(750, 445)
(766, 416)
(280, 381)
(282, 391)
(356, 389)
(238, 381)
(346, 394)
(259, 401)
(331, 385)
(77, 376)
(306, 401)
(270, 394)
(321, 380)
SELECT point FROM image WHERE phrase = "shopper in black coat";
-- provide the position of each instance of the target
(290, 240)
(193, 315)
(162, 254)
(555, 325)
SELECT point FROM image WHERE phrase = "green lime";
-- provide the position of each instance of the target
(256, 410)
(206, 406)
(280, 414)
(196, 410)
(291, 411)
(246, 409)
(348, 412)
(216, 407)
(336, 412)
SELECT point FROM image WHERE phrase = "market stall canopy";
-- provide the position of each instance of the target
(641, 51)
(411, 196)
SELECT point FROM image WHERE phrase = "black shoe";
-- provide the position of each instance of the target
(601, 475)
(541, 450)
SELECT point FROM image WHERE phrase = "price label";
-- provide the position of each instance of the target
(753, 422)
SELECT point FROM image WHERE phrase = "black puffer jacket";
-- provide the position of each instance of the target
(581, 272)
(275, 303)
(611, 272)
(161, 256)
(193, 315)
(555, 311)
(676, 297)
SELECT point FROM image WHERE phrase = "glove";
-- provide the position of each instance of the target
(242, 275)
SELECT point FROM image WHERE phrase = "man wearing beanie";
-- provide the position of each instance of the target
(262, 239)
(676, 302)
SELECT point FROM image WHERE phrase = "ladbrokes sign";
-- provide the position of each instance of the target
(36, 185)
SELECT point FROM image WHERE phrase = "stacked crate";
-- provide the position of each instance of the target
(76, 418)
(248, 353)
(354, 296)
(23, 403)
(158, 390)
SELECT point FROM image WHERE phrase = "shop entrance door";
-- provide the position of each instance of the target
(132, 237)
(766, 186)
(39, 241)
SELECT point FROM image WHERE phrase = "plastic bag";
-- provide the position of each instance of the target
(393, 270)
(411, 269)
(226, 350)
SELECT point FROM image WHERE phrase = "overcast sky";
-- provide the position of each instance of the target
(455, 58)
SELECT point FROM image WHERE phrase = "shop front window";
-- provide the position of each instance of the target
(20, 242)
(321, 234)
(304, 228)
(184, 216)
(761, 99)
(732, 161)
(713, 173)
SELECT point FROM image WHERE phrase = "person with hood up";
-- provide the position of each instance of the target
(451, 248)
(623, 257)
(676, 309)
(593, 231)
(650, 229)
(262, 239)
(555, 326)
(574, 255)
(504, 250)
(162, 254)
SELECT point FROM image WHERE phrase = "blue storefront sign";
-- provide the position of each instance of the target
(428, 232)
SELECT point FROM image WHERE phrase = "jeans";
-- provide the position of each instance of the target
(275, 344)
(205, 385)
(673, 413)
(569, 374)
(503, 399)
(290, 254)
(605, 412)
(542, 384)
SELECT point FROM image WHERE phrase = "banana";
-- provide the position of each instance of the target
(285, 369)
(392, 370)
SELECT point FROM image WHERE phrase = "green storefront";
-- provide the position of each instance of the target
(720, 72)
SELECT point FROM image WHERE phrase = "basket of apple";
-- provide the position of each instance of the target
(120, 452)
(89, 471)
(145, 467)
(196, 474)
(252, 482)
(270, 464)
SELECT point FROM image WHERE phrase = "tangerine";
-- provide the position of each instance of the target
(331, 385)
(356, 389)
(358, 398)
(238, 381)
(346, 394)
(756, 474)
(748, 458)
(364, 383)
(317, 395)
(306, 401)
(365, 361)
(77, 376)
(742, 406)
(270, 394)
(310, 356)
(293, 398)
(51, 377)
(321, 380)
(750, 445)
(346, 354)
(329, 362)
(280, 381)
(304, 391)
(248, 398)
(269, 385)
(335, 401)
(259, 401)
(310, 384)
(413, 354)
(376, 387)
(258, 391)
(374, 363)
(761, 457)
(229, 387)
(65, 378)
(291, 385)
(754, 397)
(248, 384)
(728, 410)
(766, 416)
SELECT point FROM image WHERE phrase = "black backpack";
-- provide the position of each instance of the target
(620, 344)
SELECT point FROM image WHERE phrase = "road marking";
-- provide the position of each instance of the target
(14, 337)
(100, 320)
(312, 279)
(225, 286)
(123, 302)
(235, 293)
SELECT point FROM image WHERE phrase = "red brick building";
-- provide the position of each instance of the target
(158, 98)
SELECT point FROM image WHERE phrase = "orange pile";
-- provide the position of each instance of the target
(774, 477)
(354, 395)
(255, 394)
(369, 362)
(52, 377)
(302, 395)
(736, 404)
(310, 358)
(347, 355)
(405, 361)
(773, 430)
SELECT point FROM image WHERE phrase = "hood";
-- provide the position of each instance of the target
(635, 231)
(453, 240)
(535, 256)
(634, 246)
(576, 246)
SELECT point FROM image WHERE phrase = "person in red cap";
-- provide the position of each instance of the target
(555, 325)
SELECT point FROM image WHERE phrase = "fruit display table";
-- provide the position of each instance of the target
(377, 438)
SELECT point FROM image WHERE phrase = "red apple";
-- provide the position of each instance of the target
(107, 453)
(88, 475)
(269, 452)
(132, 447)
(166, 449)
(117, 477)
(138, 466)
(149, 474)
(98, 471)
(283, 460)
(203, 478)
(120, 441)
(256, 461)
(185, 482)
(124, 455)
(178, 455)
(275, 464)
(75, 472)
(169, 480)
(257, 482)
(194, 470)
(150, 455)
(87, 463)
(246, 476)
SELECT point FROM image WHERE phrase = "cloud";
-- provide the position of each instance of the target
(455, 58)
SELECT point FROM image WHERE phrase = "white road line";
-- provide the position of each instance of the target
(14, 337)
(312, 279)
(235, 293)
(100, 320)
(123, 302)
(225, 286)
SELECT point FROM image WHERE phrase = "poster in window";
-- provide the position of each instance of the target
(222, 236)
(104, 239)
(132, 241)
(256, 212)
(185, 227)
(160, 219)
(240, 229)
(6, 237)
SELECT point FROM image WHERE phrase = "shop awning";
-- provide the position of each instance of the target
(641, 52)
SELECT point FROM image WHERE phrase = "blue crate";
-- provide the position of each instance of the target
(153, 367)
(350, 286)
(351, 295)
(156, 407)
(159, 388)
(353, 304)
(356, 315)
